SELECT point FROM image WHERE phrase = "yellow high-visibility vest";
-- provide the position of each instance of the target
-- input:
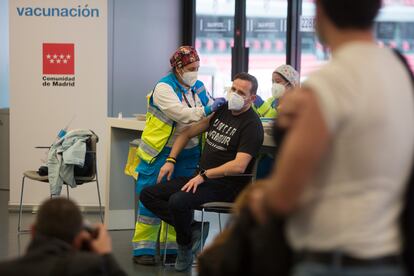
(158, 126)
(158, 129)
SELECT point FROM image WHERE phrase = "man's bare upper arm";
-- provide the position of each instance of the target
(243, 159)
(198, 128)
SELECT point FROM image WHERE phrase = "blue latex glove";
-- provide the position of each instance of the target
(259, 101)
(218, 102)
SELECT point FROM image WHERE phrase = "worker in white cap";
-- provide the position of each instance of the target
(284, 78)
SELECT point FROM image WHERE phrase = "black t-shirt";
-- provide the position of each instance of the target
(229, 134)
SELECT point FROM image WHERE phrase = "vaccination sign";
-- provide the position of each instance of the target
(58, 71)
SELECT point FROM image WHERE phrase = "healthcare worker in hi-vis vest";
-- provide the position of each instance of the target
(284, 78)
(178, 100)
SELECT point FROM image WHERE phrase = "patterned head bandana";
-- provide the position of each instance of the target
(289, 73)
(183, 56)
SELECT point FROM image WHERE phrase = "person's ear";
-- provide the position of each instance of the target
(253, 98)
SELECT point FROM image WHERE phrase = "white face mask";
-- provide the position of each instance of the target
(278, 90)
(236, 102)
(190, 78)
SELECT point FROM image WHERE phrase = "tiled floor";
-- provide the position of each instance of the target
(13, 244)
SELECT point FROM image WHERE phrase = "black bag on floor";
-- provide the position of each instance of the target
(246, 248)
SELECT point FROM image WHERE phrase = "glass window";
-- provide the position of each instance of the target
(266, 39)
(313, 54)
(394, 27)
(214, 39)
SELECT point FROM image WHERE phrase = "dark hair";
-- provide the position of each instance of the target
(59, 218)
(351, 14)
(250, 78)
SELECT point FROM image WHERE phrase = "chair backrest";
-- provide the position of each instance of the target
(93, 141)
(88, 171)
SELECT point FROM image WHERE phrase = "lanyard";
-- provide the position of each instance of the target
(186, 100)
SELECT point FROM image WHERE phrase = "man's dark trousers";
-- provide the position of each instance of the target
(169, 203)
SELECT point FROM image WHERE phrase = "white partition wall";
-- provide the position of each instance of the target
(58, 70)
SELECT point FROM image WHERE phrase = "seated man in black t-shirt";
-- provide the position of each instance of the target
(234, 137)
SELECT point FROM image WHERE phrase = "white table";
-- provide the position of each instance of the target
(120, 190)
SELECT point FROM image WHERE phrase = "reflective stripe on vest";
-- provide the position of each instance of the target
(160, 116)
(144, 244)
(200, 89)
(148, 220)
(158, 129)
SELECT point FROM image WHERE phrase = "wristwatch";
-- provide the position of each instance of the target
(202, 173)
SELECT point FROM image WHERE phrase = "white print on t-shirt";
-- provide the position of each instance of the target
(221, 135)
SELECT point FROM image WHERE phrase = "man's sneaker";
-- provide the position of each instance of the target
(144, 260)
(196, 236)
(184, 258)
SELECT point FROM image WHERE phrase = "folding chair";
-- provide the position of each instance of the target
(213, 207)
(219, 208)
(93, 177)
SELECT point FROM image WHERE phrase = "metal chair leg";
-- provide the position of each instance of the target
(100, 204)
(19, 247)
(165, 246)
(202, 230)
(21, 206)
(97, 187)
(219, 215)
